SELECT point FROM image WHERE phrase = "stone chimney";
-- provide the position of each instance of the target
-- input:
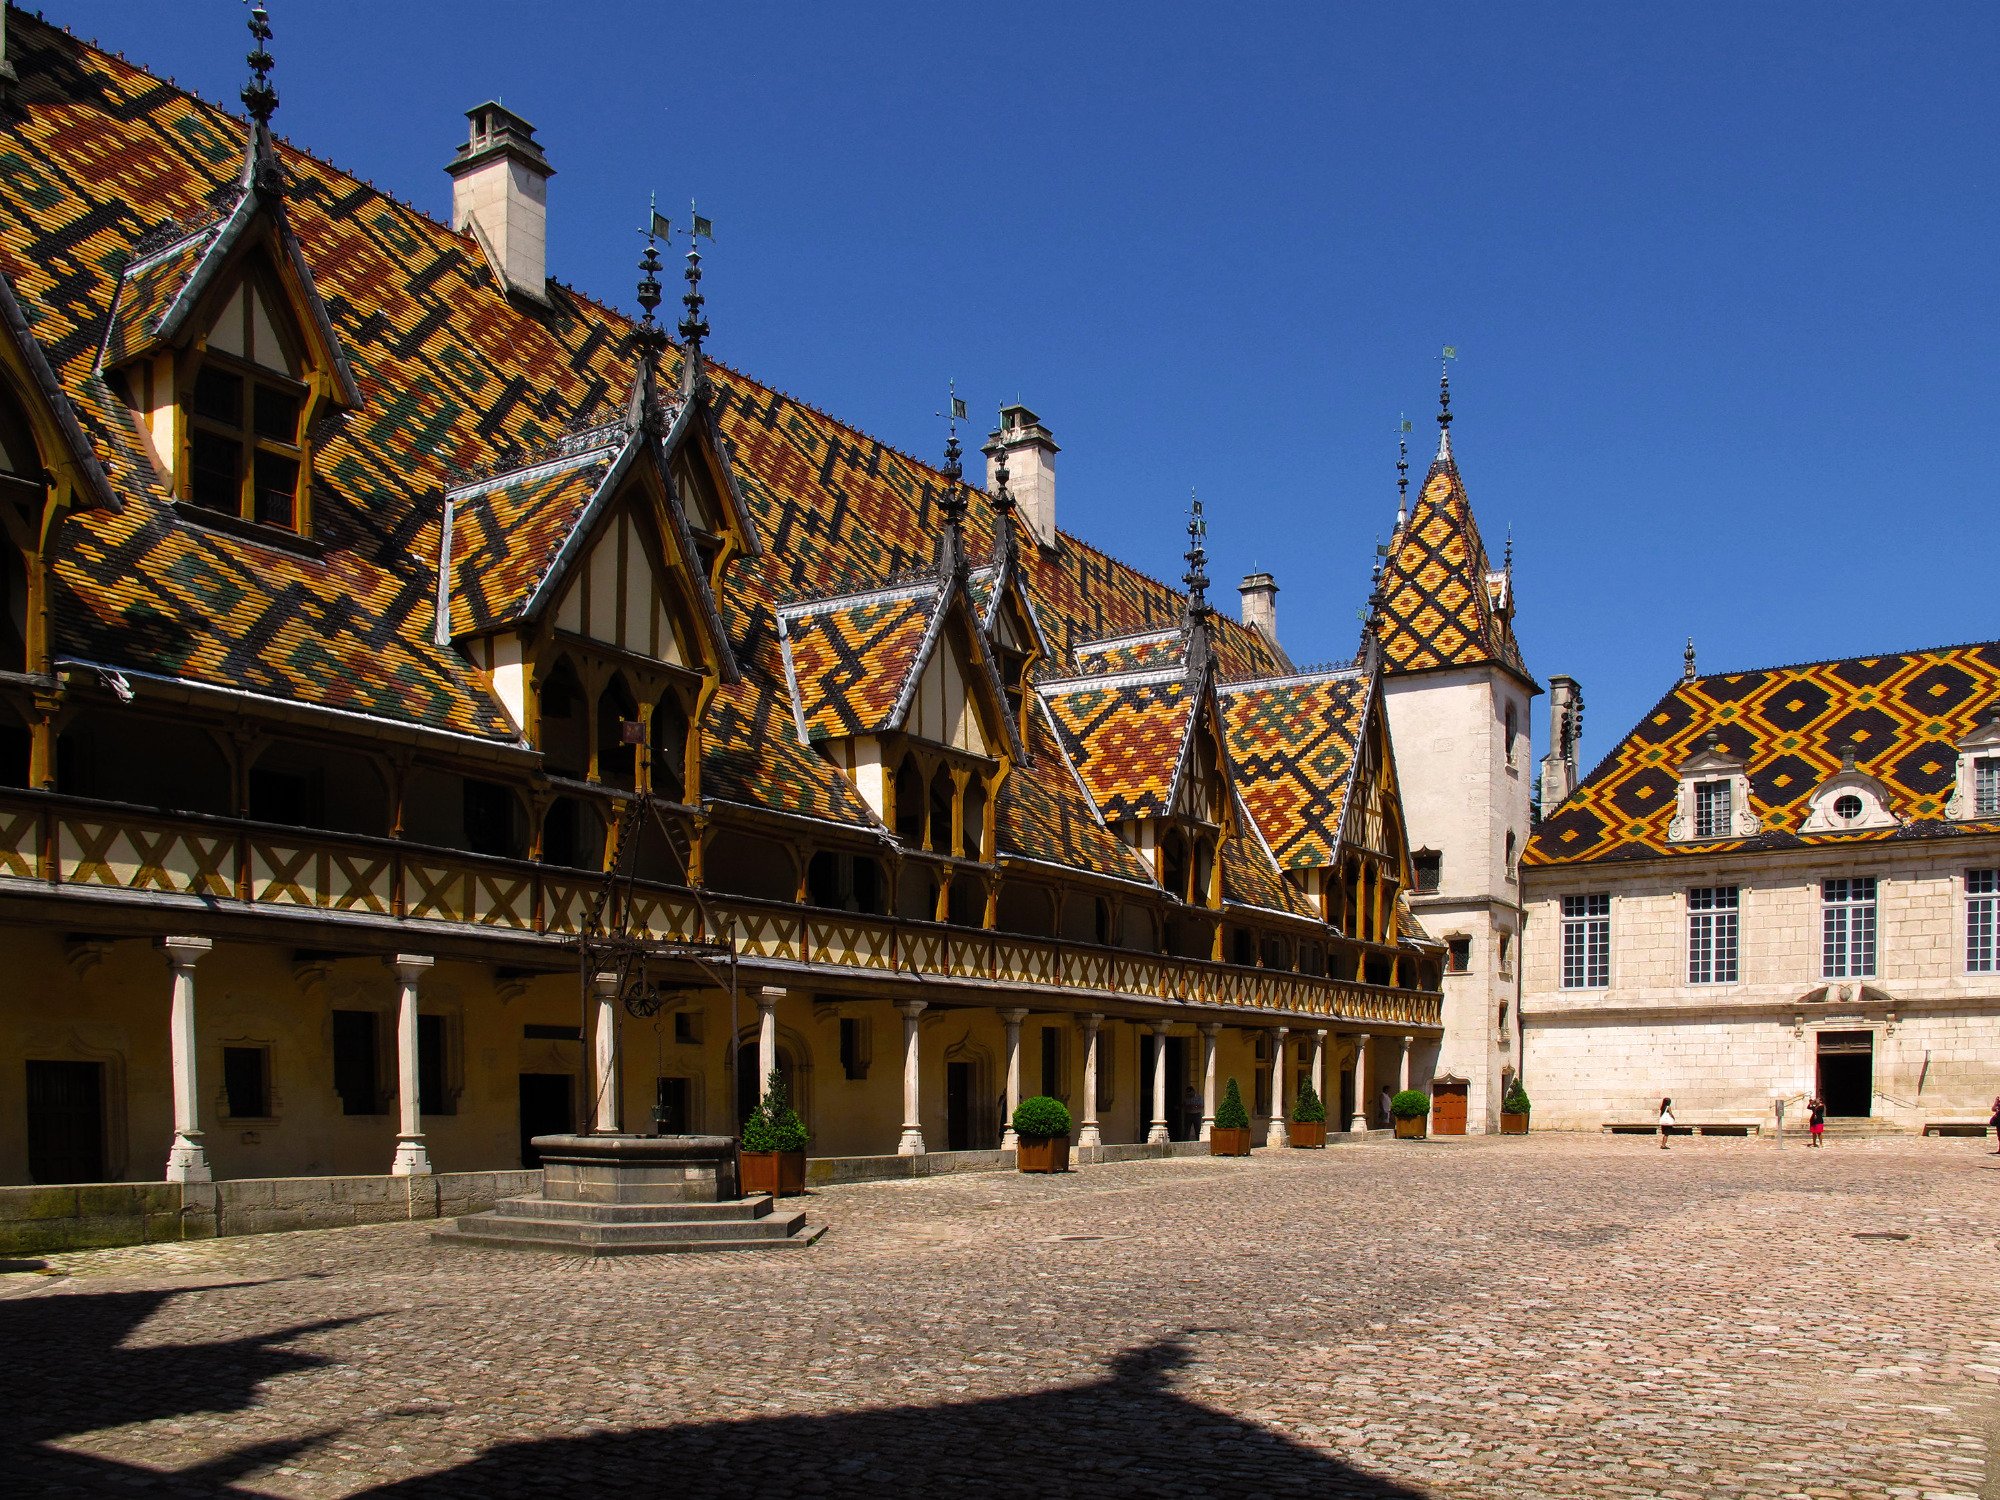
(1260, 604)
(1031, 468)
(500, 191)
(1565, 730)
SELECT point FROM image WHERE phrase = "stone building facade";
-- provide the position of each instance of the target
(1779, 883)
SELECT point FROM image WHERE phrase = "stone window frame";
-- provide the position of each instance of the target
(1857, 918)
(1982, 921)
(273, 1105)
(1458, 953)
(1713, 762)
(1978, 749)
(1587, 915)
(1714, 918)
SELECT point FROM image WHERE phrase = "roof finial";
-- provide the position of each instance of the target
(693, 326)
(1507, 562)
(1688, 673)
(953, 469)
(1402, 471)
(260, 166)
(1196, 577)
(1444, 403)
(649, 336)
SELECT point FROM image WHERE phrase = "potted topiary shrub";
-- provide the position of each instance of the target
(1514, 1111)
(1412, 1109)
(773, 1154)
(1042, 1126)
(1230, 1134)
(1308, 1123)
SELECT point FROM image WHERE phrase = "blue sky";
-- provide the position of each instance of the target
(1721, 278)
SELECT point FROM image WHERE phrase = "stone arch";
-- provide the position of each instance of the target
(983, 1124)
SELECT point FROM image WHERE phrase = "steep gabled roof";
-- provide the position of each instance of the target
(1903, 713)
(1440, 604)
(1127, 736)
(848, 660)
(1292, 743)
(1046, 815)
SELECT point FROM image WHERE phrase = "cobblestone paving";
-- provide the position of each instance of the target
(1555, 1316)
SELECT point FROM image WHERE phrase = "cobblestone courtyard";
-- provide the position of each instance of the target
(1549, 1317)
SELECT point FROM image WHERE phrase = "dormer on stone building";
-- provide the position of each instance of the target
(1713, 799)
(1849, 801)
(1975, 793)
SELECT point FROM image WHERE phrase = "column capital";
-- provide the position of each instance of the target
(186, 952)
(1092, 1019)
(1015, 1015)
(1160, 1028)
(912, 1008)
(604, 984)
(1212, 1030)
(1319, 1033)
(1281, 1032)
(411, 967)
(768, 996)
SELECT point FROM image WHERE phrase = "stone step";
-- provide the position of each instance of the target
(499, 1238)
(557, 1233)
(739, 1211)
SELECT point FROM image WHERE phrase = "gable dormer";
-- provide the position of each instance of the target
(1975, 792)
(1013, 633)
(1849, 801)
(228, 360)
(1713, 799)
(1373, 871)
(706, 489)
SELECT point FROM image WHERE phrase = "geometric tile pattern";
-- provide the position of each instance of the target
(1440, 608)
(1126, 739)
(852, 657)
(1291, 745)
(1903, 713)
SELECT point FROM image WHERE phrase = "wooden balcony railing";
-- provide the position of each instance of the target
(70, 844)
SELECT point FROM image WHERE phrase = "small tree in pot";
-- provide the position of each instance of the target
(1514, 1110)
(1308, 1123)
(773, 1154)
(1412, 1108)
(1042, 1124)
(1230, 1134)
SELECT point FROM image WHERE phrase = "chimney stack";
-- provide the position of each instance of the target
(1031, 468)
(1260, 604)
(500, 190)
(1565, 729)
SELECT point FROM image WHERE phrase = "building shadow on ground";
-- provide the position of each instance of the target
(68, 1370)
(1128, 1433)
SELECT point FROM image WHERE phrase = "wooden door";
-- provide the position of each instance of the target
(66, 1121)
(1448, 1109)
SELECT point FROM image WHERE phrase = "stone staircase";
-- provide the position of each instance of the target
(1850, 1128)
(632, 1228)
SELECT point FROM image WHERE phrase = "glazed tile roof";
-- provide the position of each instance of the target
(1291, 744)
(1903, 713)
(104, 162)
(849, 660)
(1147, 651)
(1249, 878)
(1441, 604)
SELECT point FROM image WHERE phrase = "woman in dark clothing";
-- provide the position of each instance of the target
(1817, 1119)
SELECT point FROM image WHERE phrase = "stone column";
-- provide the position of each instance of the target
(912, 1143)
(1275, 1135)
(1088, 1133)
(1210, 1035)
(187, 1159)
(1403, 1071)
(1012, 1019)
(604, 1112)
(1359, 1122)
(1319, 1065)
(1158, 1136)
(767, 1037)
(412, 1159)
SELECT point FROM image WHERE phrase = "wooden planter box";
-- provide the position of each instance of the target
(1513, 1124)
(1050, 1155)
(1306, 1135)
(1228, 1142)
(779, 1173)
(1411, 1130)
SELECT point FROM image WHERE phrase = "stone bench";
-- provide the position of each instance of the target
(1967, 1127)
(1684, 1127)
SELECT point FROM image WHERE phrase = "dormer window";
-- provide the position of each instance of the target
(1986, 787)
(245, 456)
(1711, 810)
(1850, 800)
(1714, 797)
(1847, 807)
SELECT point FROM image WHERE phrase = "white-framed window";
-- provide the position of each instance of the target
(1847, 927)
(1986, 787)
(1586, 942)
(1982, 921)
(1712, 933)
(1712, 818)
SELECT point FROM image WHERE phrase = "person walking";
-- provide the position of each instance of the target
(1383, 1109)
(1816, 1121)
(1666, 1120)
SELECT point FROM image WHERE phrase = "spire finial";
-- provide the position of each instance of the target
(649, 336)
(953, 469)
(1688, 673)
(1196, 577)
(260, 165)
(951, 546)
(1402, 471)
(1508, 561)
(1444, 401)
(693, 325)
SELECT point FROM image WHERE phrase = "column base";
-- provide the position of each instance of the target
(1358, 1125)
(1158, 1136)
(912, 1143)
(187, 1161)
(1207, 1127)
(412, 1160)
(1277, 1134)
(1089, 1137)
(1009, 1141)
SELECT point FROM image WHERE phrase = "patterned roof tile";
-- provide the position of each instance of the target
(1291, 743)
(1441, 606)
